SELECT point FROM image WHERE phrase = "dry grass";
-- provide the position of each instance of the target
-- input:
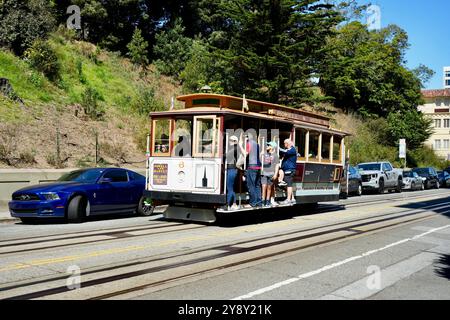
(36, 140)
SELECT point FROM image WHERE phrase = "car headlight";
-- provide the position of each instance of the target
(51, 196)
(374, 176)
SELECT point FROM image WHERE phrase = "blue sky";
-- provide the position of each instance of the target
(427, 24)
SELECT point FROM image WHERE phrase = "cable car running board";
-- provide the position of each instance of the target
(247, 209)
(209, 215)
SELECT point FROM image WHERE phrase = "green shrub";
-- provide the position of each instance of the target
(81, 76)
(425, 157)
(42, 57)
(36, 79)
(146, 101)
(90, 104)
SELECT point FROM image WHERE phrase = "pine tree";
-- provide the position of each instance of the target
(137, 49)
(270, 49)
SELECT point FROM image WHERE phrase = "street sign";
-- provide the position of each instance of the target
(402, 149)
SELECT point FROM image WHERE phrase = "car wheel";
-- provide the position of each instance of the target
(145, 208)
(399, 186)
(360, 190)
(381, 187)
(77, 209)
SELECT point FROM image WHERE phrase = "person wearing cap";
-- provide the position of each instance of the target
(232, 171)
(270, 165)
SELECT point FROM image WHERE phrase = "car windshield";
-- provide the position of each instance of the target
(82, 175)
(370, 167)
(422, 172)
(408, 174)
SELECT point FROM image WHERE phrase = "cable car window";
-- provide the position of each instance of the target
(161, 137)
(182, 138)
(337, 154)
(326, 147)
(313, 146)
(206, 136)
(300, 143)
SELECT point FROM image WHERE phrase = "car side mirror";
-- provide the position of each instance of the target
(106, 181)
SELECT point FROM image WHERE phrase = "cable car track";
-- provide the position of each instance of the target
(120, 233)
(233, 250)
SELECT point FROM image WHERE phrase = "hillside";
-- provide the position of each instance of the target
(119, 92)
(118, 96)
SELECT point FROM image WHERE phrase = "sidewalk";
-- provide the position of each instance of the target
(5, 216)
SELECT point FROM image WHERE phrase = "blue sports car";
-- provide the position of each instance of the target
(82, 193)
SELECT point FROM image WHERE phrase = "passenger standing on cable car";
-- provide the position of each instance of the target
(289, 167)
(232, 171)
(253, 170)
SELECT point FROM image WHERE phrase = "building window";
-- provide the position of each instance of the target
(437, 144)
(447, 82)
(446, 144)
(446, 123)
(437, 123)
(447, 73)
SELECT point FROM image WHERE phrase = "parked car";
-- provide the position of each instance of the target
(429, 177)
(380, 176)
(82, 193)
(444, 179)
(354, 183)
(412, 181)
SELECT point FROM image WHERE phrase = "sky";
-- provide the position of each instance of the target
(427, 23)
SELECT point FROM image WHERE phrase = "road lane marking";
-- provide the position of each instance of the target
(359, 290)
(334, 265)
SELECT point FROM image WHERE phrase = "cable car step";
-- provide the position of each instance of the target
(249, 208)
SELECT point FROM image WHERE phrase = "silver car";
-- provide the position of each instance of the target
(412, 181)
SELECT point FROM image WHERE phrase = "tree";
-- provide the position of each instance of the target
(365, 72)
(137, 48)
(111, 23)
(412, 126)
(22, 22)
(43, 58)
(172, 50)
(424, 74)
(269, 50)
(196, 73)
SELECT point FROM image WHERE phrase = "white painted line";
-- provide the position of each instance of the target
(359, 290)
(334, 265)
(423, 228)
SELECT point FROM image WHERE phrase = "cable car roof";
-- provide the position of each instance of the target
(207, 103)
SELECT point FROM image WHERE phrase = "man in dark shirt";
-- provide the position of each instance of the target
(289, 167)
(253, 171)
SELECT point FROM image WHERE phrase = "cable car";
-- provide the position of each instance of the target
(187, 167)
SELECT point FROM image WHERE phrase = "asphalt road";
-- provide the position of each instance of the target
(392, 246)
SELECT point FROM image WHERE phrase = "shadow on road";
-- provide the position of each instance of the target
(431, 205)
(236, 219)
(443, 266)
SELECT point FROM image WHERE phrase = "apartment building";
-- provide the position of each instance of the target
(437, 107)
